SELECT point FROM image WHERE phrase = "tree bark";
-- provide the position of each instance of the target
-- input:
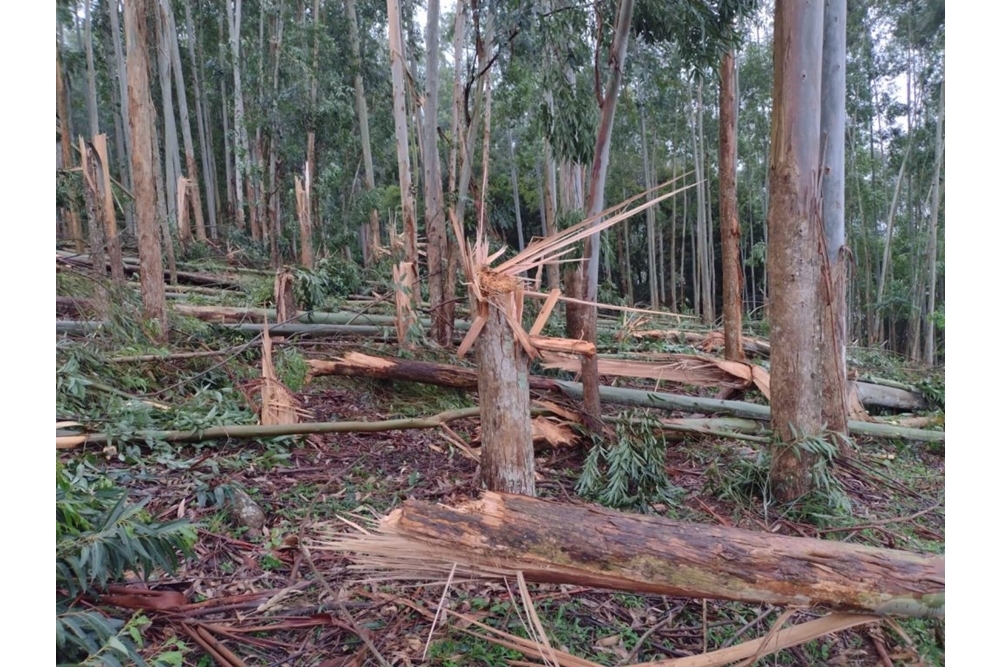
(141, 115)
(929, 317)
(170, 33)
(171, 148)
(795, 230)
(588, 545)
(595, 196)
(442, 328)
(729, 222)
(66, 153)
(124, 158)
(241, 148)
(211, 195)
(407, 267)
(508, 456)
(654, 292)
(373, 235)
(833, 295)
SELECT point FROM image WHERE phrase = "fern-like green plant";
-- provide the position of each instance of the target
(628, 472)
(100, 536)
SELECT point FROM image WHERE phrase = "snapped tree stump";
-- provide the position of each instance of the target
(592, 546)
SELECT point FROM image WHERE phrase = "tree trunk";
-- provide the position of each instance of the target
(929, 316)
(408, 266)
(592, 546)
(241, 149)
(517, 197)
(200, 116)
(549, 206)
(508, 456)
(66, 143)
(833, 295)
(373, 234)
(161, 206)
(170, 33)
(171, 148)
(124, 158)
(442, 328)
(795, 231)
(141, 116)
(95, 213)
(595, 197)
(654, 292)
(108, 209)
(88, 42)
(729, 222)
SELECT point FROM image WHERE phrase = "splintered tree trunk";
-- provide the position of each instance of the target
(141, 115)
(508, 457)
(795, 229)
(833, 295)
(586, 545)
(110, 223)
(729, 222)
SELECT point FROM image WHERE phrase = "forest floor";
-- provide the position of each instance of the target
(268, 601)
(367, 474)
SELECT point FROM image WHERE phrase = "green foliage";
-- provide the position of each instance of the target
(627, 473)
(747, 480)
(331, 278)
(99, 537)
(933, 390)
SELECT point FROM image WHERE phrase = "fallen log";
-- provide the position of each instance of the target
(209, 279)
(501, 535)
(454, 376)
(886, 396)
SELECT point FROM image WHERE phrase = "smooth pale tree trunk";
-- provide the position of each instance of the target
(517, 197)
(110, 223)
(408, 264)
(241, 149)
(929, 319)
(95, 126)
(161, 207)
(549, 208)
(274, 196)
(885, 273)
(833, 295)
(123, 156)
(313, 95)
(170, 33)
(66, 152)
(171, 148)
(795, 230)
(211, 197)
(141, 117)
(457, 159)
(704, 302)
(90, 167)
(647, 170)
(437, 237)
(674, 306)
(373, 234)
(508, 456)
(729, 222)
(595, 199)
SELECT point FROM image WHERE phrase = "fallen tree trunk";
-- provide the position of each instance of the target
(887, 396)
(185, 276)
(455, 376)
(551, 542)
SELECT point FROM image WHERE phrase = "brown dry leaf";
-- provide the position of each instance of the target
(544, 429)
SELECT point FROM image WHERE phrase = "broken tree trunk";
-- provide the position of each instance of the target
(551, 542)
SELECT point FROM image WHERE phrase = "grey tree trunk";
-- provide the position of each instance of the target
(833, 295)
(211, 185)
(171, 148)
(517, 197)
(241, 150)
(95, 126)
(654, 292)
(373, 234)
(123, 141)
(170, 33)
(442, 326)
(595, 198)
(929, 319)
(795, 231)
(141, 116)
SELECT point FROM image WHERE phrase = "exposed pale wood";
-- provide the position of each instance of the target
(551, 542)
(543, 315)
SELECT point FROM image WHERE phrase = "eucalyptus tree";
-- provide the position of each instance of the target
(141, 116)
(795, 234)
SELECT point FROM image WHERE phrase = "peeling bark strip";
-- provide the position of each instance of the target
(593, 546)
